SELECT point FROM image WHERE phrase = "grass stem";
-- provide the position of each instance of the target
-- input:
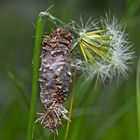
(38, 36)
(138, 96)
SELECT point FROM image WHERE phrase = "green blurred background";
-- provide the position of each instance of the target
(100, 113)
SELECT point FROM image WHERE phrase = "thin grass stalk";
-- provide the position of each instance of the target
(80, 122)
(32, 113)
(138, 96)
(71, 104)
(19, 88)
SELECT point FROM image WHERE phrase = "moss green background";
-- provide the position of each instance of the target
(100, 113)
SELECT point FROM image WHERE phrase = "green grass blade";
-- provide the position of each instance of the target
(131, 9)
(114, 118)
(138, 96)
(38, 36)
(18, 87)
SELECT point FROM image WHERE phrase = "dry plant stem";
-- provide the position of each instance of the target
(36, 55)
(138, 96)
(71, 105)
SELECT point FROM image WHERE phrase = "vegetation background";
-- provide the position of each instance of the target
(99, 113)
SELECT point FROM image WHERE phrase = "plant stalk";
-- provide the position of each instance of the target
(35, 70)
(138, 96)
(71, 104)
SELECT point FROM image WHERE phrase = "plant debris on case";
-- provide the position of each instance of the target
(55, 77)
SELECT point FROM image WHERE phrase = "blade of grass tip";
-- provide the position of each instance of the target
(18, 87)
(38, 36)
(71, 104)
(138, 96)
